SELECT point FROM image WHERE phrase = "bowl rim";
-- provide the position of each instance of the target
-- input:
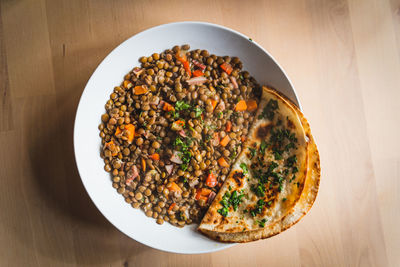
(109, 55)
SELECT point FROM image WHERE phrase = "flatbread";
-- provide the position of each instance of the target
(289, 205)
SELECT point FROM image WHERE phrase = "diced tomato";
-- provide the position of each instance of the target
(211, 180)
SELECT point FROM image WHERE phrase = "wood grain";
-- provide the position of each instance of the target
(343, 57)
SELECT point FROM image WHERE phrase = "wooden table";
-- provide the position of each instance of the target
(343, 58)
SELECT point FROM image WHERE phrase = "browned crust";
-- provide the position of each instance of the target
(285, 223)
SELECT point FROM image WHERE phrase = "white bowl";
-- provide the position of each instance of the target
(217, 40)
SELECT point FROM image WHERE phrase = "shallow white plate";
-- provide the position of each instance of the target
(217, 40)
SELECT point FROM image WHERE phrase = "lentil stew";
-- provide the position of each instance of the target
(174, 127)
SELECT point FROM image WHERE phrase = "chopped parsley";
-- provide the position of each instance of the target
(252, 152)
(181, 105)
(184, 152)
(262, 222)
(289, 146)
(198, 111)
(263, 146)
(258, 208)
(272, 166)
(230, 200)
(174, 114)
(259, 189)
(269, 110)
(278, 155)
(291, 161)
(234, 153)
(244, 168)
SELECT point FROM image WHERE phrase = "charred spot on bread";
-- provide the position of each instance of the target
(238, 178)
(290, 124)
(263, 130)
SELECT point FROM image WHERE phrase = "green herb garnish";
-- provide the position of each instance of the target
(198, 111)
(278, 155)
(263, 146)
(262, 222)
(230, 200)
(244, 168)
(184, 152)
(269, 110)
(291, 161)
(258, 208)
(181, 105)
(252, 152)
(259, 190)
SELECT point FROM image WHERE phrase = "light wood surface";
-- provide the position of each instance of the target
(343, 58)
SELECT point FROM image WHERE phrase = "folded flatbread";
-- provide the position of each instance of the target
(273, 182)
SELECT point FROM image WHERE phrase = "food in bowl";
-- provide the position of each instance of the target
(174, 127)
(190, 137)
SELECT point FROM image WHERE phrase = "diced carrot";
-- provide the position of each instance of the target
(143, 165)
(181, 56)
(211, 180)
(186, 66)
(130, 129)
(202, 116)
(168, 107)
(171, 206)
(226, 67)
(202, 193)
(224, 140)
(127, 84)
(109, 144)
(140, 89)
(222, 162)
(197, 73)
(228, 126)
(251, 105)
(241, 106)
(155, 156)
(214, 103)
(173, 187)
(118, 131)
(243, 138)
(180, 122)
